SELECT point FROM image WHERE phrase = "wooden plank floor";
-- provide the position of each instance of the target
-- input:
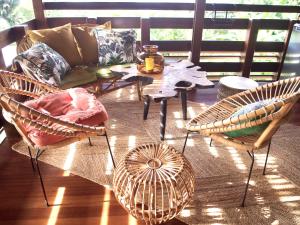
(82, 201)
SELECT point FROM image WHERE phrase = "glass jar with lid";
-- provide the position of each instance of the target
(150, 61)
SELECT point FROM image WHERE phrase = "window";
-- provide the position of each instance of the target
(14, 12)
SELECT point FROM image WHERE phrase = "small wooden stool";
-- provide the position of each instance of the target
(231, 85)
(154, 182)
(159, 93)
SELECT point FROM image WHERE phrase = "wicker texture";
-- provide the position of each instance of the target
(216, 120)
(24, 44)
(12, 85)
(232, 85)
(154, 182)
(224, 91)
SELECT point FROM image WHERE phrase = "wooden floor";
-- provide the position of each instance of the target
(81, 201)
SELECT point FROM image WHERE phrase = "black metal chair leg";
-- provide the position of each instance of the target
(90, 142)
(163, 118)
(183, 96)
(31, 159)
(138, 88)
(210, 143)
(146, 107)
(249, 176)
(111, 155)
(186, 138)
(38, 154)
(269, 147)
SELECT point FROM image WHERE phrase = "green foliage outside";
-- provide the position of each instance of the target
(14, 12)
(8, 12)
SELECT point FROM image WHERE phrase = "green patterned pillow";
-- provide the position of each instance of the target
(115, 47)
(246, 109)
(43, 63)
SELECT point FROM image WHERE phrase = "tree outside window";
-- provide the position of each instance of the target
(14, 12)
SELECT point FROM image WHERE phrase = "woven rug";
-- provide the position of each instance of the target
(221, 172)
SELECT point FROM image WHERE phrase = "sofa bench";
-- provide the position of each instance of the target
(84, 72)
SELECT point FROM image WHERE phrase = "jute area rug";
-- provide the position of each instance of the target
(221, 172)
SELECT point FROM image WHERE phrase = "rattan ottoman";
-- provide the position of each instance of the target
(231, 85)
(154, 182)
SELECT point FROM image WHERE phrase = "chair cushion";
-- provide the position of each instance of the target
(73, 105)
(87, 43)
(116, 47)
(61, 39)
(43, 63)
(79, 76)
(246, 109)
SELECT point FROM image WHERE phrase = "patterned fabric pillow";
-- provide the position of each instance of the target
(250, 108)
(116, 47)
(43, 63)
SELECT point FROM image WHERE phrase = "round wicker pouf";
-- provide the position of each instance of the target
(154, 182)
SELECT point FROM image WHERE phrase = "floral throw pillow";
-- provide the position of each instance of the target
(43, 63)
(116, 47)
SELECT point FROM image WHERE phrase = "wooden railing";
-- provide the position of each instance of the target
(13, 35)
(167, 6)
(7, 37)
(244, 66)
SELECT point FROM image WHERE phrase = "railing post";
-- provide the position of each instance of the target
(38, 8)
(198, 26)
(286, 45)
(2, 63)
(145, 31)
(250, 45)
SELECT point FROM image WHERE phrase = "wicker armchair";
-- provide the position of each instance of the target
(12, 85)
(217, 120)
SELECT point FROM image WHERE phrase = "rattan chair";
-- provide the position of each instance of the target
(12, 85)
(217, 119)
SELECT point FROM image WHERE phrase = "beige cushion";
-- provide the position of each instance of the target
(79, 76)
(87, 43)
(61, 39)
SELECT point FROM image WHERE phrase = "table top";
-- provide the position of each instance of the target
(240, 83)
(176, 76)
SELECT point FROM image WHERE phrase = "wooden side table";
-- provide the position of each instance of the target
(107, 81)
(150, 93)
(110, 78)
(154, 182)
